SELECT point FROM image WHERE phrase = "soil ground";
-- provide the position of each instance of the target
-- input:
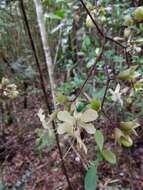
(25, 168)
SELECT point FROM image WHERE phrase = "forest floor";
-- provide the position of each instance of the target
(25, 168)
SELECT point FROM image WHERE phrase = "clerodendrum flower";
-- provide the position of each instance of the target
(117, 93)
(47, 122)
(72, 124)
(8, 90)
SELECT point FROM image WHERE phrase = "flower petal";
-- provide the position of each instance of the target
(121, 102)
(64, 128)
(89, 115)
(117, 89)
(111, 91)
(124, 90)
(81, 144)
(42, 118)
(65, 116)
(89, 128)
(118, 134)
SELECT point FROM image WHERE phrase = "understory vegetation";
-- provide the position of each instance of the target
(71, 94)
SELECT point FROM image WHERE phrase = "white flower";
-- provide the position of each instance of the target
(78, 120)
(72, 125)
(5, 81)
(42, 118)
(47, 122)
(8, 90)
(11, 91)
(117, 93)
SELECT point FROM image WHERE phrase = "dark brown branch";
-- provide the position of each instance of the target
(105, 93)
(44, 91)
(107, 38)
(90, 73)
(98, 28)
(93, 20)
(35, 54)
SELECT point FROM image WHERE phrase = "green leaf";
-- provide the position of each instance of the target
(139, 41)
(138, 13)
(99, 138)
(128, 74)
(80, 106)
(52, 16)
(95, 104)
(2, 186)
(109, 156)
(118, 59)
(60, 13)
(86, 42)
(99, 93)
(91, 178)
(91, 62)
(60, 1)
(61, 99)
(44, 140)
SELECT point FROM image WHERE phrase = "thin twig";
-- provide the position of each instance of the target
(44, 91)
(93, 20)
(103, 36)
(98, 28)
(65, 155)
(90, 73)
(105, 93)
(77, 153)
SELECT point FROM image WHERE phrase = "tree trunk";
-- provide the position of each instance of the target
(40, 19)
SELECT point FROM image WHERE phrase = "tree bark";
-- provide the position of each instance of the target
(43, 33)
